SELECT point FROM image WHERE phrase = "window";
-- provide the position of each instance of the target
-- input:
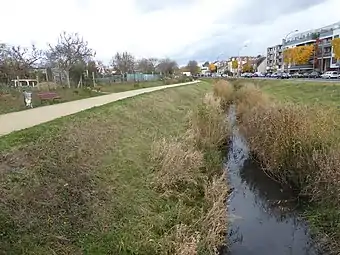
(336, 36)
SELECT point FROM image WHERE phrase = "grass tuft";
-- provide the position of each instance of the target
(225, 91)
(208, 124)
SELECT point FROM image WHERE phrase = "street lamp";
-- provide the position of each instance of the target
(245, 45)
(217, 59)
(285, 42)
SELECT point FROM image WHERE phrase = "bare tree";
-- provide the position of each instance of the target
(17, 60)
(192, 67)
(124, 62)
(146, 65)
(26, 57)
(167, 66)
(70, 50)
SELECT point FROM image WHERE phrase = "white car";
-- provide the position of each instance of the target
(330, 75)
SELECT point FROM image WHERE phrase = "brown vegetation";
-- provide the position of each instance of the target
(224, 90)
(183, 171)
(297, 145)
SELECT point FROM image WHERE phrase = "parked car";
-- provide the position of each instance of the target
(283, 76)
(297, 75)
(330, 75)
(305, 75)
(314, 75)
(274, 75)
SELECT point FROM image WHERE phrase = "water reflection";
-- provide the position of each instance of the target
(263, 215)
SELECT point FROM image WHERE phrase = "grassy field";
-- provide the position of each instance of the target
(84, 184)
(323, 93)
(12, 100)
(121, 87)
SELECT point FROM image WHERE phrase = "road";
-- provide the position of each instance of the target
(25, 119)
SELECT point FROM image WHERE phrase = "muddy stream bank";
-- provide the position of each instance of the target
(263, 216)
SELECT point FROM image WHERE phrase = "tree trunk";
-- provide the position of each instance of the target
(67, 73)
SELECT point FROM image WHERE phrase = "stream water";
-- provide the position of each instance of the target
(263, 215)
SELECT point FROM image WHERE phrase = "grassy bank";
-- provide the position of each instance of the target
(11, 100)
(298, 145)
(302, 92)
(99, 183)
(121, 87)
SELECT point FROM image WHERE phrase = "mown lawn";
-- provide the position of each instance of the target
(83, 184)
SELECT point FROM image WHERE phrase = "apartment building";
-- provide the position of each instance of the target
(274, 58)
(242, 59)
(323, 59)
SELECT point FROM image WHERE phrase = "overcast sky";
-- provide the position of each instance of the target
(180, 29)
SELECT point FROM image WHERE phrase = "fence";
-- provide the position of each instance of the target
(139, 77)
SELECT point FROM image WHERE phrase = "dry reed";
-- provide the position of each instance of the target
(225, 91)
(178, 164)
(208, 124)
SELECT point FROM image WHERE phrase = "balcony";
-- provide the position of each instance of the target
(301, 67)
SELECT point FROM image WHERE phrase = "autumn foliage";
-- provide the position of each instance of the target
(336, 47)
(234, 64)
(298, 55)
(212, 68)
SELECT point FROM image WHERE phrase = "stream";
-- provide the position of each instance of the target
(263, 215)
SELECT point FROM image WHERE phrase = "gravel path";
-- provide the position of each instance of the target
(24, 119)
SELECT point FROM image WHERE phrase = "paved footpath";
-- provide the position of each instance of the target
(24, 119)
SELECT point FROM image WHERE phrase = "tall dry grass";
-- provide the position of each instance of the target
(298, 145)
(248, 97)
(285, 137)
(208, 124)
(225, 91)
(181, 174)
(178, 166)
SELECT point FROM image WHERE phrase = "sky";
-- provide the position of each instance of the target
(180, 29)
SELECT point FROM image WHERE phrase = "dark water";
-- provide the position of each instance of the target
(263, 216)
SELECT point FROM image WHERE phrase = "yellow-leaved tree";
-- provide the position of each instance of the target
(288, 55)
(212, 68)
(303, 54)
(247, 67)
(234, 64)
(336, 48)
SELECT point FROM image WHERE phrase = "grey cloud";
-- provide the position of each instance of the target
(252, 12)
(155, 5)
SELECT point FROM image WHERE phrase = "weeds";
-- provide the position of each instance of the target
(190, 170)
(208, 125)
(298, 145)
(224, 90)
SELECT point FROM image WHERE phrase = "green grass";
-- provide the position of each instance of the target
(83, 184)
(12, 100)
(121, 87)
(322, 93)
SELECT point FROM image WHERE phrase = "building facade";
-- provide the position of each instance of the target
(323, 59)
(274, 58)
